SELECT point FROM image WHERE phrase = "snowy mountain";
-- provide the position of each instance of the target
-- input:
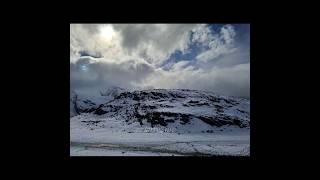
(159, 122)
(161, 107)
(112, 91)
(80, 103)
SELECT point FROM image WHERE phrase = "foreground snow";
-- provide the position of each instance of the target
(84, 151)
(111, 137)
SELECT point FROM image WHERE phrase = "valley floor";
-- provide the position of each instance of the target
(116, 138)
(159, 144)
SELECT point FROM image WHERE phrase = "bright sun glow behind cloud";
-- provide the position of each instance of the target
(107, 32)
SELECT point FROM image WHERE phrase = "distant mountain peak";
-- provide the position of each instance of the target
(112, 91)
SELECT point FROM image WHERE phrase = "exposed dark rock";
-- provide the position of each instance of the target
(169, 120)
(193, 101)
(100, 111)
(89, 110)
(161, 100)
(218, 106)
(214, 99)
(176, 95)
(237, 122)
(93, 122)
(184, 118)
(136, 97)
(231, 102)
(227, 101)
(150, 107)
(197, 103)
(219, 110)
(210, 120)
(160, 95)
(166, 106)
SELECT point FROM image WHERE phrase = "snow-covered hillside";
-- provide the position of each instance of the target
(199, 120)
(83, 103)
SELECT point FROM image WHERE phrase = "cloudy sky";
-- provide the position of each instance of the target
(211, 57)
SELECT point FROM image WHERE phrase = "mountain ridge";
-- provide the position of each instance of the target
(166, 107)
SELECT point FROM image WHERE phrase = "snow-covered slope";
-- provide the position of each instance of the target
(72, 103)
(80, 103)
(174, 121)
(185, 110)
(112, 91)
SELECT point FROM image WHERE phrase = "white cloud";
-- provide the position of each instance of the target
(218, 44)
(214, 53)
(101, 74)
(155, 42)
(233, 80)
(93, 38)
(202, 34)
(228, 33)
(133, 55)
(179, 65)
